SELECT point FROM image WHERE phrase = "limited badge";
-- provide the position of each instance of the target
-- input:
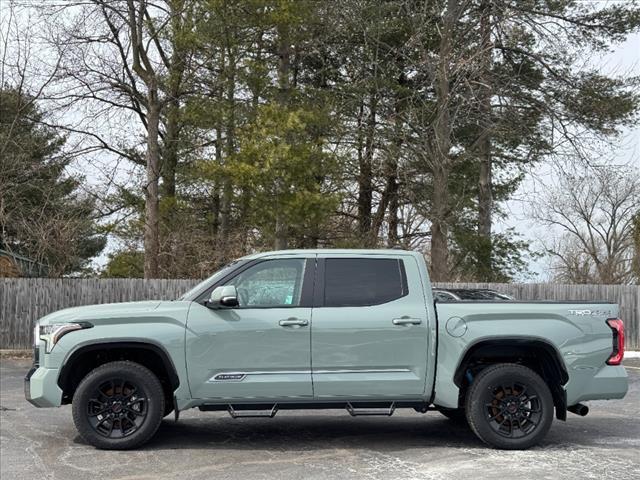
(229, 376)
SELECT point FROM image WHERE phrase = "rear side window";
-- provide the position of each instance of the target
(353, 282)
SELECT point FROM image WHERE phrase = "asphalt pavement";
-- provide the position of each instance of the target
(43, 444)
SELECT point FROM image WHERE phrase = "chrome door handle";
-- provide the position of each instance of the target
(293, 322)
(407, 321)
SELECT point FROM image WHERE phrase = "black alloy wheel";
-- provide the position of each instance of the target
(513, 411)
(509, 406)
(118, 405)
(117, 408)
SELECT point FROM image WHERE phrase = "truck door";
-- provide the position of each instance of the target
(369, 334)
(259, 350)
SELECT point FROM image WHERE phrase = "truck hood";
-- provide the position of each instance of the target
(103, 311)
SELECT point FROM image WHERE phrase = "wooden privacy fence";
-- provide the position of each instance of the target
(24, 300)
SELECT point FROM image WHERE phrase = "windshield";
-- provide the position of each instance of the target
(195, 291)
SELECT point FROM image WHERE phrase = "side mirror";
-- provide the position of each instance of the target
(223, 296)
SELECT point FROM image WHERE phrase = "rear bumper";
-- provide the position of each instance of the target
(610, 382)
(41, 387)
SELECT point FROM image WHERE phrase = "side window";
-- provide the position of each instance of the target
(272, 283)
(352, 282)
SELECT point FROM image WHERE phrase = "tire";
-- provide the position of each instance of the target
(456, 415)
(509, 407)
(118, 406)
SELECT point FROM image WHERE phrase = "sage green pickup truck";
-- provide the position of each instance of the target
(319, 329)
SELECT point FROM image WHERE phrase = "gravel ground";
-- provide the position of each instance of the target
(43, 443)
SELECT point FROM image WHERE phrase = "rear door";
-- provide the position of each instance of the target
(369, 332)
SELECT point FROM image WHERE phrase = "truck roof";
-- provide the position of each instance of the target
(337, 251)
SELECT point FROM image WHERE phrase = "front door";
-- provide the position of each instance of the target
(370, 334)
(261, 349)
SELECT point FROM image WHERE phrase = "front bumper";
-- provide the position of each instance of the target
(41, 387)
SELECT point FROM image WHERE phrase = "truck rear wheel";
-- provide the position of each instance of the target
(509, 406)
(118, 406)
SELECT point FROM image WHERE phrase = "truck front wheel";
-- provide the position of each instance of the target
(118, 406)
(509, 406)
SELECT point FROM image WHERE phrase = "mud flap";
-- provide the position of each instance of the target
(560, 398)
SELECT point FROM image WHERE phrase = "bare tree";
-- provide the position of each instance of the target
(593, 209)
(636, 246)
(121, 73)
(44, 215)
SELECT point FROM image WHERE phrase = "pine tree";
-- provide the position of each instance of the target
(44, 215)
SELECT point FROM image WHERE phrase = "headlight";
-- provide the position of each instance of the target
(51, 334)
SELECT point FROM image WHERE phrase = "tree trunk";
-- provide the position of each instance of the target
(284, 91)
(388, 199)
(281, 242)
(225, 209)
(393, 208)
(176, 72)
(170, 157)
(485, 197)
(219, 187)
(365, 181)
(439, 225)
(392, 167)
(440, 152)
(229, 149)
(152, 211)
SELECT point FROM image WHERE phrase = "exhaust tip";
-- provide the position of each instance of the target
(579, 409)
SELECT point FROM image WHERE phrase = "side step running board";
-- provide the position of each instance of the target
(356, 412)
(270, 411)
(233, 413)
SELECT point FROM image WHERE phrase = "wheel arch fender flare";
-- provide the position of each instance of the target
(509, 347)
(517, 343)
(66, 368)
